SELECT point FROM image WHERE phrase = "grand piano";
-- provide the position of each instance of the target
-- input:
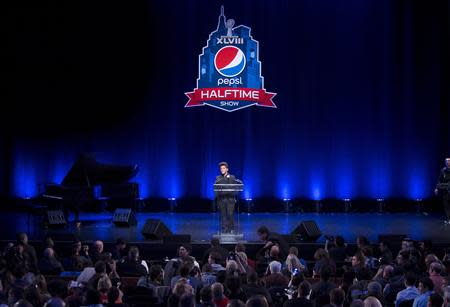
(78, 188)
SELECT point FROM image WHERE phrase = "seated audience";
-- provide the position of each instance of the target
(372, 302)
(187, 300)
(337, 249)
(218, 294)
(274, 277)
(241, 258)
(237, 284)
(294, 263)
(369, 260)
(321, 290)
(435, 300)
(426, 287)
(358, 262)
(410, 292)
(302, 300)
(323, 259)
(100, 271)
(115, 298)
(183, 258)
(337, 297)
(234, 288)
(257, 301)
(184, 273)
(104, 284)
(435, 271)
(29, 253)
(253, 288)
(49, 264)
(182, 287)
(215, 260)
(385, 253)
(361, 242)
(206, 297)
(384, 275)
(154, 279)
(132, 265)
(208, 276)
(119, 250)
(97, 252)
(215, 248)
(446, 297)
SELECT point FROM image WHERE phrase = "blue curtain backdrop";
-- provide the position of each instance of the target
(362, 103)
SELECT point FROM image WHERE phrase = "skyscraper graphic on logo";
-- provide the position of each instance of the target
(230, 71)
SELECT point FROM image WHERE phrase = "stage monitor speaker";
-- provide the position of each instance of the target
(155, 230)
(307, 231)
(124, 217)
(55, 218)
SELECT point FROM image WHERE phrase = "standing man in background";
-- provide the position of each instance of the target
(443, 189)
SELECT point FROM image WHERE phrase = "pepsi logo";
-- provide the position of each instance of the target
(229, 61)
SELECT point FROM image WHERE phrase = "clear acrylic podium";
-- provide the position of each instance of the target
(231, 189)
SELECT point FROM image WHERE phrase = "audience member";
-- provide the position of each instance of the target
(338, 252)
(274, 277)
(218, 294)
(97, 252)
(49, 264)
(253, 288)
(293, 263)
(410, 292)
(119, 250)
(385, 253)
(257, 301)
(426, 287)
(321, 290)
(215, 248)
(302, 300)
(206, 297)
(132, 265)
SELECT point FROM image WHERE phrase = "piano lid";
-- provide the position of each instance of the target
(86, 171)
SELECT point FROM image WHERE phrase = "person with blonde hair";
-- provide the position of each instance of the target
(232, 267)
(293, 262)
(372, 302)
(103, 286)
(241, 258)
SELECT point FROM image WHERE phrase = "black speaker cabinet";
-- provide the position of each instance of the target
(55, 218)
(307, 231)
(124, 217)
(155, 230)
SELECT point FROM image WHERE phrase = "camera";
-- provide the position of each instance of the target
(232, 256)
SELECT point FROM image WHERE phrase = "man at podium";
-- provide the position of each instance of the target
(226, 200)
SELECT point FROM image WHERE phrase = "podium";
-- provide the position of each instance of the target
(230, 191)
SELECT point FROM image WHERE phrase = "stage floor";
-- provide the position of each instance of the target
(202, 226)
